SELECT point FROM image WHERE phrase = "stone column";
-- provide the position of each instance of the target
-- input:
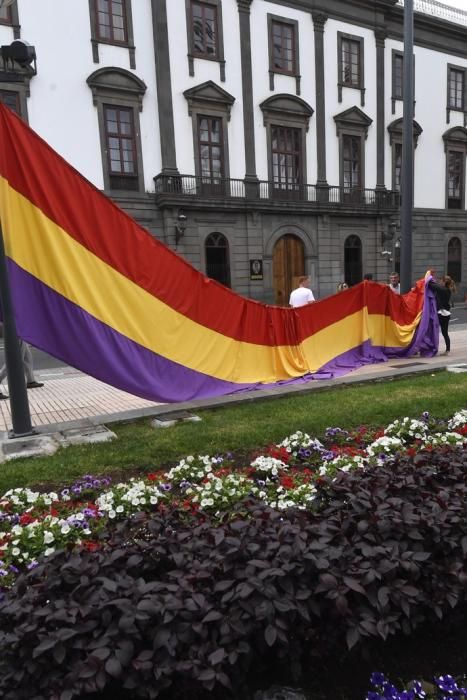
(319, 20)
(251, 178)
(380, 36)
(164, 87)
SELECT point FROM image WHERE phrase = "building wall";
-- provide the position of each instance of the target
(60, 108)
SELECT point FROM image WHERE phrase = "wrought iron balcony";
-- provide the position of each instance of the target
(439, 9)
(191, 186)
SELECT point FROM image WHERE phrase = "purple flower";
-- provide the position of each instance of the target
(96, 483)
(418, 690)
(377, 679)
(371, 695)
(89, 513)
(327, 456)
(3, 572)
(33, 565)
(13, 569)
(425, 415)
(446, 683)
(65, 492)
(390, 691)
(76, 489)
(166, 487)
(184, 484)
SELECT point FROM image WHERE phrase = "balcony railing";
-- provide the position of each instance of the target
(266, 191)
(439, 9)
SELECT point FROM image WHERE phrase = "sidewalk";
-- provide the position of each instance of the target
(71, 399)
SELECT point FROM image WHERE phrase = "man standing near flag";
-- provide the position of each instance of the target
(26, 356)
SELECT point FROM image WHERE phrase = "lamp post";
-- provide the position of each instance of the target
(407, 152)
(180, 227)
(20, 413)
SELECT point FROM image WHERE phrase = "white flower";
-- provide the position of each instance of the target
(48, 537)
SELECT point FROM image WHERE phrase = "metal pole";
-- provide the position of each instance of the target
(407, 151)
(20, 414)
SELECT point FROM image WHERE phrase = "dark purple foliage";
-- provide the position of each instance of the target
(173, 604)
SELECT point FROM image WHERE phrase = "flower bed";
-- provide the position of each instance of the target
(287, 475)
(181, 600)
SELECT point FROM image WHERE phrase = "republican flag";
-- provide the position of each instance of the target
(94, 289)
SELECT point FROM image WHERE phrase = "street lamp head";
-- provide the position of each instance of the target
(180, 227)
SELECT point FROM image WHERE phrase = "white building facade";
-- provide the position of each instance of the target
(260, 138)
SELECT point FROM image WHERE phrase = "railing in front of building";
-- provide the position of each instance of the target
(235, 189)
(439, 9)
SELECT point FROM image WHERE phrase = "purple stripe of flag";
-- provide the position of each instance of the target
(56, 325)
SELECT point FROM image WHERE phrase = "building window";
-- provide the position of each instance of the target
(286, 152)
(350, 70)
(217, 258)
(209, 107)
(204, 27)
(455, 147)
(211, 156)
(286, 119)
(455, 179)
(397, 155)
(351, 161)
(397, 78)
(121, 147)
(11, 99)
(283, 49)
(111, 23)
(455, 91)
(9, 16)
(352, 129)
(395, 140)
(5, 15)
(15, 94)
(283, 42)
(353, 260)
(351, 64)
(454, 267)
(118, 96)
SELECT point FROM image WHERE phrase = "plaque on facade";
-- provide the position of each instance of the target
(256, 269)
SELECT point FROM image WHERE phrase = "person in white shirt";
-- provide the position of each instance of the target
(303, 294)
(394, 283)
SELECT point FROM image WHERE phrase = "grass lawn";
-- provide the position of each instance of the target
(245, 427)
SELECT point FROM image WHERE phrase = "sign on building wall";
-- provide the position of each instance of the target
(256, 269)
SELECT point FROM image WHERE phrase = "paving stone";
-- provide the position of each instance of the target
(161, 422)
(167, 420)
(31, 446)
(87, 435)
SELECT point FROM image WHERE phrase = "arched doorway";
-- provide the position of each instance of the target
(455, 259)
(353, 260)
(217, 258)
(288, 266)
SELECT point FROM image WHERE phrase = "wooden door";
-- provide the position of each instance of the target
(288, 266)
